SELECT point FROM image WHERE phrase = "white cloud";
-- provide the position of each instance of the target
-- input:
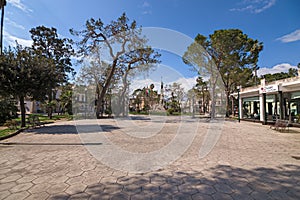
(11, 40)
(267, 4)
(291, 37)
(242, 9)
(255, 6)
(146, 6)
(14, 24)
(284, 67)
(147, 12)
(20, 5)
(187, 83)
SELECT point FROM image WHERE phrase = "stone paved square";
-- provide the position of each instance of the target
(249, 161)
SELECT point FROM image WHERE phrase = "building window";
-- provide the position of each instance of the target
(251, 107)
(295, 107)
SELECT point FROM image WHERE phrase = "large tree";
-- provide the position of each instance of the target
(202, 60)
(24, 74)
(235, 56)
(137, 61)
(47, 43)
(33, 72)
(115, 41)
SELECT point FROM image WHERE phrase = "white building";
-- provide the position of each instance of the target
(270, 101)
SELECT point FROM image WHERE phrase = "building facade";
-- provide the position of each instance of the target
(270, 101)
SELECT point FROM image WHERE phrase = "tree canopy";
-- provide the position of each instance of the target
(120, 43)
(24, 74)
(47, 43)
(234, 54)
(33, 72)
(292, 72)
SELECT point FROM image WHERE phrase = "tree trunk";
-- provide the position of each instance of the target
(122, 101)
(213, 103)
(213, 95)
(99, 111)
(203, 104)
(49, 109)
(123, 93)
(23, 111)
(227, 102)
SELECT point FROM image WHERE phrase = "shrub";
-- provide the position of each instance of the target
(8, 110)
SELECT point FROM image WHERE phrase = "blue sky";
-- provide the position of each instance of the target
(274, 22)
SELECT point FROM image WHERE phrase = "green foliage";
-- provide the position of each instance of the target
(282, 75)
(234, 54)
(108, 111)
(173, 111)
(6, 132)
(59, 50)
(140, 112)
(22, 73)
(65, 99)
(177, 95)
(8, 110)
(202, 94)
(144, 99)
(32, 72)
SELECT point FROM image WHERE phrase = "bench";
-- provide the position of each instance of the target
(280, 125)
(34, 121)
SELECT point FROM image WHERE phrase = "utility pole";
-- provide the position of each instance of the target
(2, 5)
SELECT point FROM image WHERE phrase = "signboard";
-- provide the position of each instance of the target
(269, 89)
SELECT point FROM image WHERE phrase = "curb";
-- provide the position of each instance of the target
(13, 134)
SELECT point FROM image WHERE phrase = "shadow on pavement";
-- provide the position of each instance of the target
(46, 144)
(133, 118)
(71, 129)
(220, 182)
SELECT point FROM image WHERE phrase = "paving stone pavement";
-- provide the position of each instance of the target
(249, 161)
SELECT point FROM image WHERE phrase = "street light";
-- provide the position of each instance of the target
(238, 90)
(2, 5)
(85, 102)
(193, 105)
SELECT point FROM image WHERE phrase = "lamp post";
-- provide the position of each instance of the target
(193, 105)
(238, 90)
(2, 5)
(85, 102)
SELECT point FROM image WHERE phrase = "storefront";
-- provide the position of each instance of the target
(270, 101)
